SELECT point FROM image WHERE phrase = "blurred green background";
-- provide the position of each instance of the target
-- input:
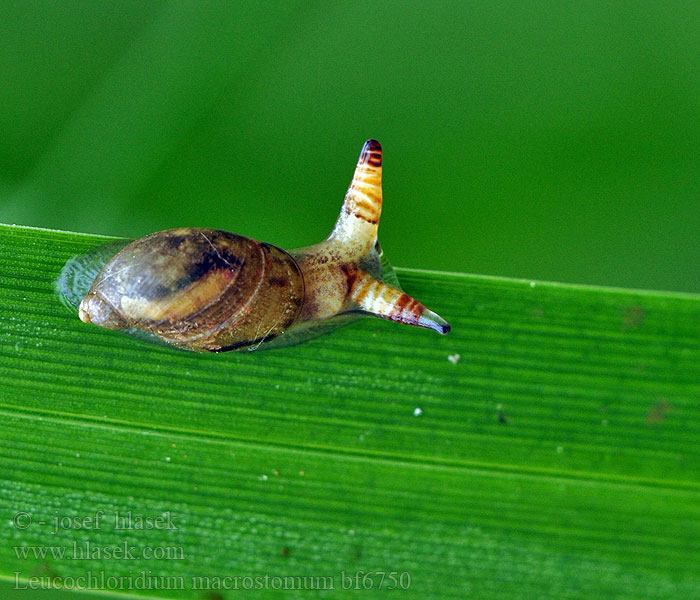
(543, 139)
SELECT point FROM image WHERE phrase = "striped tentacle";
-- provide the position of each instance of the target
(357, 224)
(387, 302)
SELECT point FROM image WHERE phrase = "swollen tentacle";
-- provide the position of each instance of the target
(356, 228)
(388, 302)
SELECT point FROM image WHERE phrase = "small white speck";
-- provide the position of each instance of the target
(454, 358)
(417, 411)
(167, 459)
(263, 477)
(351, 531)
(77, 455)
(560, 450)
(533, 284)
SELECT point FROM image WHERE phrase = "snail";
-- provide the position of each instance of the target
(207, 290)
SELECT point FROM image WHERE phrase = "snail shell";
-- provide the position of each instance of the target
(198, 289)
(207, 290)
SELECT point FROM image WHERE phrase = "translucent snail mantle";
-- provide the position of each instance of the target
(207, 290)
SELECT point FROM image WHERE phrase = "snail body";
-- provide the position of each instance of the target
(207, 290)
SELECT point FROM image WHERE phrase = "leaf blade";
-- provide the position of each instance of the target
(563, 437)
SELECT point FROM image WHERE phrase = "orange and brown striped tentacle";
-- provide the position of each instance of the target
(357, 224)
(387, 302)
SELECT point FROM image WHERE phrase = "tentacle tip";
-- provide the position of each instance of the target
(434, 321)
(372, 153)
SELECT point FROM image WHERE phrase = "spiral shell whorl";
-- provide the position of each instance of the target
(199, 289)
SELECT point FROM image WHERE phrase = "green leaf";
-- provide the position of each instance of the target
(549, 447)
